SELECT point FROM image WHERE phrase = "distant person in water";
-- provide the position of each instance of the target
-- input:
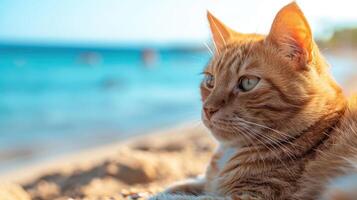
(149, 57)
(90, 58)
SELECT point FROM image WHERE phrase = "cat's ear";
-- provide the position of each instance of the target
(221, 34)
(291, 32)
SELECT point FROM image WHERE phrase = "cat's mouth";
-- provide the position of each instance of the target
(218, 125)
(225, 133)
(231, 128)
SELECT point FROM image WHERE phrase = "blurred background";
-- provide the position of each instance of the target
(80, 74)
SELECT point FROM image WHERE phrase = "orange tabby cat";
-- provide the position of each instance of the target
(284, 127)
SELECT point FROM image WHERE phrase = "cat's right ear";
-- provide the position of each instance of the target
(221, 34)
(291, 32)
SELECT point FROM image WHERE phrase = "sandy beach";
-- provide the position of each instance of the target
(126, 170)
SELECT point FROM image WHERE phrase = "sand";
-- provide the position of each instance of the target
(127, 170)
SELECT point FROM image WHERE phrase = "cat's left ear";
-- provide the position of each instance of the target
(221, 34)
(291, 32)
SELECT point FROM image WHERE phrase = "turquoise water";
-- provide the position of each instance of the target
(58, 100)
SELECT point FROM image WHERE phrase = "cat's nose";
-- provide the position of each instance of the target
(209, 112)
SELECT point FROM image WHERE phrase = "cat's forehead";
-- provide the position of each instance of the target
(232, 57)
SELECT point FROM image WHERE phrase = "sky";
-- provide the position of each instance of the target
(136, 22)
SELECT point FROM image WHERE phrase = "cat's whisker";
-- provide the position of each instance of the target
(245, 137)
(272, 140)
(273, 150)
(208, 48)
(279, 141)
(274, 143)
(254, 145)
(278, 145)
(265, 127)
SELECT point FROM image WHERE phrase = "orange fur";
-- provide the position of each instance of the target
(290, 135)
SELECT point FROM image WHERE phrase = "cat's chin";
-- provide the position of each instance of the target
(223, 136)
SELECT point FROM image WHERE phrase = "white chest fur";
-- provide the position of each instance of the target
(227, 154)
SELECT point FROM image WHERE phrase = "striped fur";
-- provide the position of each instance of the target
(290, 135)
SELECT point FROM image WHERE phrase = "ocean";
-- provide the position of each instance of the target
(55, 101)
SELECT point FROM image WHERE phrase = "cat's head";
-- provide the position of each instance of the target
(266, 86)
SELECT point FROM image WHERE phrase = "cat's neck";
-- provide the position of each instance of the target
(322, 106)
(303, 146)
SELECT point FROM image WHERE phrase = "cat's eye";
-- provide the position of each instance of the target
(208, 81)
(247, 83)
